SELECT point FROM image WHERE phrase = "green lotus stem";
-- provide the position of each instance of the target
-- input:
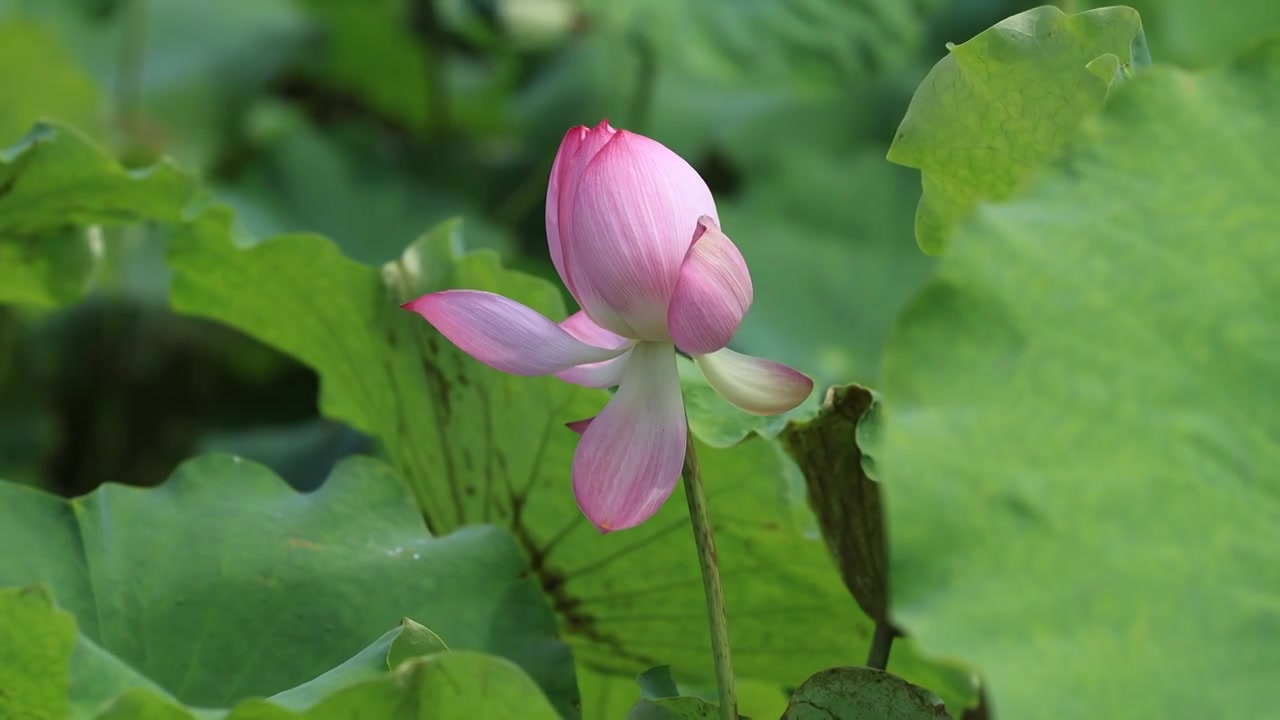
(881, 643)
(711, 586)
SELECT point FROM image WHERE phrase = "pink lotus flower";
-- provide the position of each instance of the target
(634, 235)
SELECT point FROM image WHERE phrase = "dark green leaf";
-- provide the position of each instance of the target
(656, 682)
(860, 693)
(845, 500)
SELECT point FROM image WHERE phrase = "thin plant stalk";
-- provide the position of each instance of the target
(881, 643)
(705, 541)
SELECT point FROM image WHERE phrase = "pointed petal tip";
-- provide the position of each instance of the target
(579, 426)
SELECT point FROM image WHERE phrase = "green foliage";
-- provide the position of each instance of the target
(223, 583)
(56, 190)
(859, 693)
(480, 446)
(1083, 499)
(1075, 444)
(1001, 104)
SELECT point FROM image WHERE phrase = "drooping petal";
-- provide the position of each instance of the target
(504, 334)
(630, 455)
(752, 384)
(633, 217)
(712, 294)
(594, 375)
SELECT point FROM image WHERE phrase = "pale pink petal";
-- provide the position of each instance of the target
(579, 426)
(594, 375)
(597, 375)
(712, 294)
(633, 218)
(756, 385)
(504, 334)
(630, 455)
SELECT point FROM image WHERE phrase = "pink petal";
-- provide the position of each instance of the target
(752, 384)
(581, 326)
(594, 375)
(579, 426)
(633, 218)
(712, 294)
(504, 334)
(579, 148)
(630, 455)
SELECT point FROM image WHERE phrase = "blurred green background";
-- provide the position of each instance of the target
(370, 120)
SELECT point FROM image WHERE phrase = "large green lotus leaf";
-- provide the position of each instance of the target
(1202, 32)
(447, 686)
(36, 642)
(60, 89)
(398, 676)
(55, 186)
(1000, 105)
(1080, 445)
(478, 446)
(224, 583)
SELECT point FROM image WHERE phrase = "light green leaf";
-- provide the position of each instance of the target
(58, 89)
(224, 583)
(52, 182)
(36, 641)
(480, 446)
(1000, 105)
(861, 693)
(1079, 445)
